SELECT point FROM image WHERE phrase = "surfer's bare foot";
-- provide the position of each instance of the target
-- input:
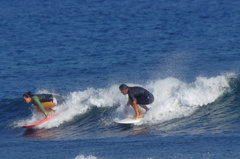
(138, 116)
(50, 112)
(47, 115)
(134, 118)
(141, 116)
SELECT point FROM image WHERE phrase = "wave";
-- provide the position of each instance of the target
(174, 99)
(91, 157)
(85, 157)
(177, 99)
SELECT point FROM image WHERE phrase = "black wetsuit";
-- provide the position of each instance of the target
(143, 96)
(45, 97)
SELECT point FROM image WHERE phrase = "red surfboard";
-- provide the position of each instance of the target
(40, 122)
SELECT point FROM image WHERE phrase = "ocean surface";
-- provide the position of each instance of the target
(186, 52)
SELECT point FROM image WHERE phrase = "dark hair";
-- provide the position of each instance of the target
(27, 94)
(123, 87)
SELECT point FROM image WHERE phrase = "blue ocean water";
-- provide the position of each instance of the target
(186, 53)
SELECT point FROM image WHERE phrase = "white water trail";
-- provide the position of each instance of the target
(176, 99)
(85, 157)
(173, 99)
(80, 102)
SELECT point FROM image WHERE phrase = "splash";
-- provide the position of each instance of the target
(78, 103)
(87, 157)
(176, 99)
(173, 99)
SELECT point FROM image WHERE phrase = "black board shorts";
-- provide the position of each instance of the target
(146, 100)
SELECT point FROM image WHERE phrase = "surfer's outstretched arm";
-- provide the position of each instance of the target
(39, 105)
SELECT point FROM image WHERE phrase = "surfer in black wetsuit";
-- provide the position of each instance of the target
(137, 96)
(42, 102)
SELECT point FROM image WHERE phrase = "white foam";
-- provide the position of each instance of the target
(35, 117)
(87, 157)
(173, 99)
(78, 103)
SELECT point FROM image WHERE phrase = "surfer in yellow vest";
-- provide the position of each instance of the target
(137, 96)
(42, 102)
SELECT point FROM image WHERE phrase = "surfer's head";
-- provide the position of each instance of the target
(123, 88)
(27, 97)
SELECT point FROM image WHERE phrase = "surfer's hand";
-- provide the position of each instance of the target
(46, 115)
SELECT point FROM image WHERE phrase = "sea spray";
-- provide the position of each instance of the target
(78, 103)
(173, 99)
(85, 157)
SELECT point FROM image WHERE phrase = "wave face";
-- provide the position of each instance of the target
(81, 50)
(202, 106)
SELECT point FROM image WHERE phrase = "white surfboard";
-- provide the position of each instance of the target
(129, 121)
